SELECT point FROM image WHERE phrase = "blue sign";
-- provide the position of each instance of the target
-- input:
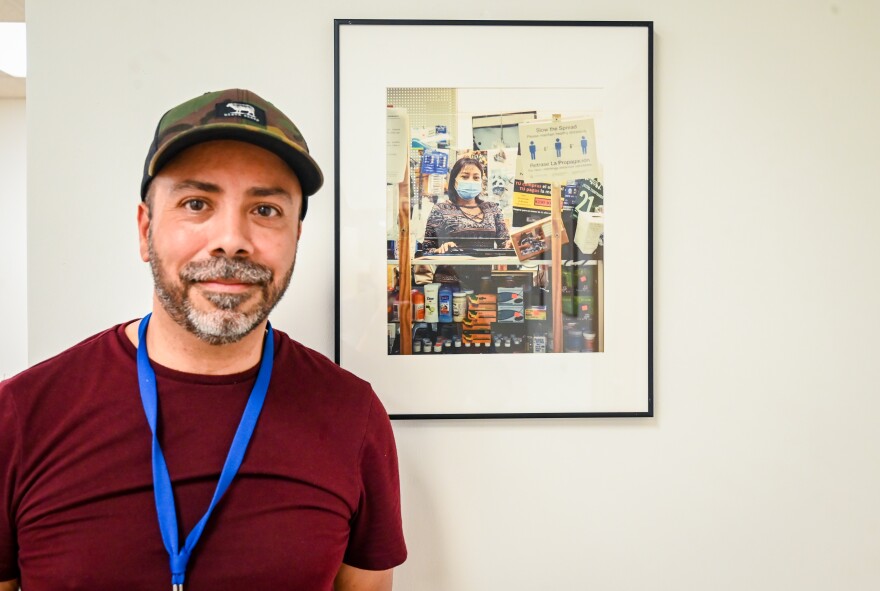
(434, 162)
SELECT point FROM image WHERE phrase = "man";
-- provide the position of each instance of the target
(198, 444)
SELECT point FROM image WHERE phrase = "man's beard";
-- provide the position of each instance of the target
(225, 323)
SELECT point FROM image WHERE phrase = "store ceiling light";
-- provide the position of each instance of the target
(13, 49)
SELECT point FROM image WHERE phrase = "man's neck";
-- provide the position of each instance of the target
(172, 346)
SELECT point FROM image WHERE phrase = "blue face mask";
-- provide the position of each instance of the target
(468, 189)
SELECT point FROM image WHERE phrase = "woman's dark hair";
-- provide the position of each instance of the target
(453, 174)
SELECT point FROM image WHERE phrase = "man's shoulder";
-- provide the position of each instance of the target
(310, 364)
(88, 353)
(319, 385)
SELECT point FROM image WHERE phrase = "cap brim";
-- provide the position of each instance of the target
(307, 170)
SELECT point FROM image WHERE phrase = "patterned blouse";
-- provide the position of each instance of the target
(447, 223)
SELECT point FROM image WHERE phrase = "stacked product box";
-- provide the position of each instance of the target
(481, 313)
(508, 331)
(511, 304)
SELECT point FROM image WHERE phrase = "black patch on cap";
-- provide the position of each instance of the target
(229, 109)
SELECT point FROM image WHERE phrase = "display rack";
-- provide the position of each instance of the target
(405, 262)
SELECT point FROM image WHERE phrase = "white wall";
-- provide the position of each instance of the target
(13, 238)
(761, 469)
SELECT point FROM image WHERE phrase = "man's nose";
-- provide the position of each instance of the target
(231, 235)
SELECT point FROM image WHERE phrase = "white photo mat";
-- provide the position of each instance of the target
(611, 61)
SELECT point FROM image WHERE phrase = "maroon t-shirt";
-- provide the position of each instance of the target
(318, 485)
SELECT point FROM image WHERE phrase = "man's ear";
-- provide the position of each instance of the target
(143, 222)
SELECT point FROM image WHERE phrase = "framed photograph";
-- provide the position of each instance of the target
(480, 273)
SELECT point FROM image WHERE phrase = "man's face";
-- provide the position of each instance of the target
(220, 234)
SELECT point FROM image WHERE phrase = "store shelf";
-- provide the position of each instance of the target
(470, 260)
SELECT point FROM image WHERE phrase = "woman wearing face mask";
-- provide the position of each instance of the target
(465, 221)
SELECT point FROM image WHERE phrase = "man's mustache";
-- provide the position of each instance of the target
(226, 268)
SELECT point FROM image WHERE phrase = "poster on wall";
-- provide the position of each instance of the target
(558, 150)
(487, 276)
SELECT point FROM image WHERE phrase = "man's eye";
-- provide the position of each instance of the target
(267, 211)
(194, 204)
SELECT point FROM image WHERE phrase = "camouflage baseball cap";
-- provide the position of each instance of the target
(233, 114)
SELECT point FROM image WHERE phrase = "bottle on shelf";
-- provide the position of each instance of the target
(589, 342)
(445, 304)
(393, 306)
(431, 303)
(573, 337)
(418, 302)
(459, 306)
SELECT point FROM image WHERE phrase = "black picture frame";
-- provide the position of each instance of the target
(359, 347)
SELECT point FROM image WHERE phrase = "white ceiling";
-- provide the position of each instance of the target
(11, 11)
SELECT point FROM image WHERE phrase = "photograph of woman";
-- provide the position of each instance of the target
(465, 222)
(477, 235)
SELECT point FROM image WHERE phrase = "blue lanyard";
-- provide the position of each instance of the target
(162, 481)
